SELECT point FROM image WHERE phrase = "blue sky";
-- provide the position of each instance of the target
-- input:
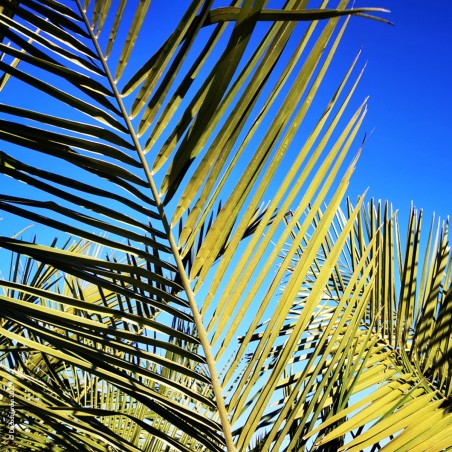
(408, 156)
(409, 80)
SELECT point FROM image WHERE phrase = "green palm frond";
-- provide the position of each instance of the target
(406, 385)
(159, 157)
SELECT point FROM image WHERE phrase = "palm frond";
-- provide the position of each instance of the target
(123, 349)
(409, 385)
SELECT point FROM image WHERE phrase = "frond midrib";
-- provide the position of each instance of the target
(202, 334)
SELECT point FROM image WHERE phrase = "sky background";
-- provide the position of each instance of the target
(408, 157)
(408, 154)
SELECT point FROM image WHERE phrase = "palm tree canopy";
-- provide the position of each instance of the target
(212, 293)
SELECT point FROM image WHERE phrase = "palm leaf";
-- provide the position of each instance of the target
(409, 384)
(123, 350)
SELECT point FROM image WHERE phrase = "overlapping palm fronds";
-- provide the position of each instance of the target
(160, 156)
(360, 362)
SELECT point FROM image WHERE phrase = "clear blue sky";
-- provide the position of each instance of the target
(409, 79)
(408, 157)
